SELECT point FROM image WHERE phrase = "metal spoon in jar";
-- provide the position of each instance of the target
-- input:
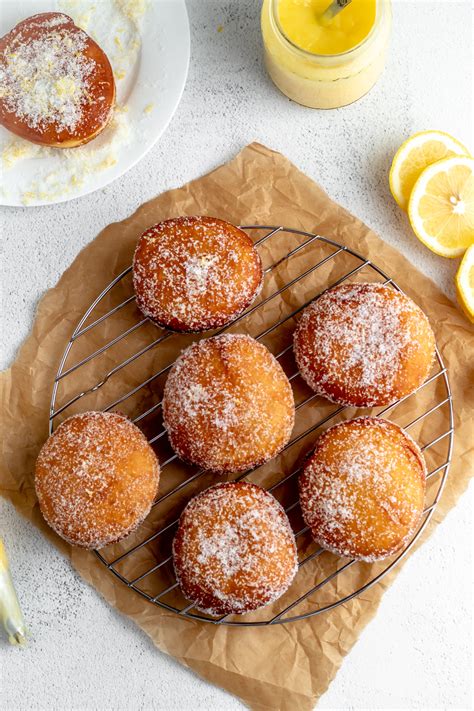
(334, 8)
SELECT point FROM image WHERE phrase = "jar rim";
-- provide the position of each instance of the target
(381, 8)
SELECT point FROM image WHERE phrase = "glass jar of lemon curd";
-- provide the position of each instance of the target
(322, 65)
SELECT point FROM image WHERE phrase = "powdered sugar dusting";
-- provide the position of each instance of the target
(234, 550)
(364, 345)
(199, 272)
(227, 404)
(96, 478)
(46, 80)
(362, 490)
(195, 273)
(37, 173)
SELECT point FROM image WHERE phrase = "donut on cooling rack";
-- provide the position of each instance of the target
(96, 478)
(227, 404)
(56, 84)
(362, 489)
(195, 273)
(234, 550)
(364, 345)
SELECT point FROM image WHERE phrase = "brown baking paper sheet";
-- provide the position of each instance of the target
(288, 666)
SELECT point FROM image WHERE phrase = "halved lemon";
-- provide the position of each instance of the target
(465, 283)
(441, 206)
(416, 154)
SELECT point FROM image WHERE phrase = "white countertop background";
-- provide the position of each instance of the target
(417, 652)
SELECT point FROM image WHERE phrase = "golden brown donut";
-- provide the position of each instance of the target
(195, 273)
(96, 478)
(234, 550)
(364, 345)
(227, 404)
(56, 84)
(362, 489)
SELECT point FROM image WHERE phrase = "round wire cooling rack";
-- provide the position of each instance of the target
(143, 561)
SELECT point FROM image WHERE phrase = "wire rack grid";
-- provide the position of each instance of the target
(151, 555)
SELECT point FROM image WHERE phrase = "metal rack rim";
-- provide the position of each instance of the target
(81, 330)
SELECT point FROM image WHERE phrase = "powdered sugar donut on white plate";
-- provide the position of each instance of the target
(148, 46)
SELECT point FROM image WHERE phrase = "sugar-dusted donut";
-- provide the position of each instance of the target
(227, 404)
(364, 345)
(234, 550)
(96, 478)
(362, 489)
(56, 84)
(195, 273)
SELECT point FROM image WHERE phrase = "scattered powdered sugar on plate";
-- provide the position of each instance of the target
(74, 166)
(116, 26)
(234, 550)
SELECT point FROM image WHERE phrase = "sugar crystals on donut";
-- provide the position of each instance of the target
(56, 84)
(234, 550)
(362, 489)
(228, 405)
(195, 273)
(96, 478)
(364, 345)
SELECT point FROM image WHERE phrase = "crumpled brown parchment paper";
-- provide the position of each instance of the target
(283, 667)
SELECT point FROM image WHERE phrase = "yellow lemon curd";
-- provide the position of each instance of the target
(302, 23)
(325, 64)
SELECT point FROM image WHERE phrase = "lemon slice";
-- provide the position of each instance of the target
(416, 154)
(465, 284)
(441, 207)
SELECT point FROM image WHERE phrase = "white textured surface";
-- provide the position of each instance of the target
(417, 653)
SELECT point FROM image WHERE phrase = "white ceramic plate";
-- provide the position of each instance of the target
(151, 90)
